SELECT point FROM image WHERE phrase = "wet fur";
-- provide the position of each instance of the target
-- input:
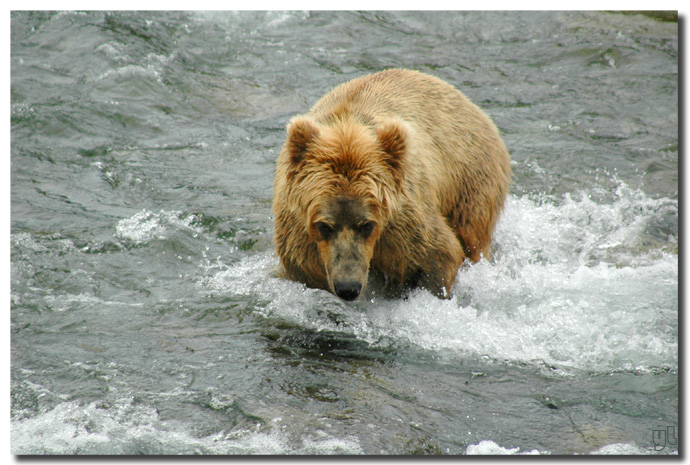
(406, 151)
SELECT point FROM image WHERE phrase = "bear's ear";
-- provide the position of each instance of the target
(301, 132)
(393, 139)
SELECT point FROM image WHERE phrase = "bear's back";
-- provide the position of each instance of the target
(406, 94)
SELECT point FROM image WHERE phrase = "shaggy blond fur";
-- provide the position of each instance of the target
(405, 152)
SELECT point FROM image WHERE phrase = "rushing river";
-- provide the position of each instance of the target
(146, 317)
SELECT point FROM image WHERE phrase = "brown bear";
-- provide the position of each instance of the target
(395, 171)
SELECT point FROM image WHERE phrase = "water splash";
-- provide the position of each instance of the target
(573, 284)
(130, 428)
(146, 226)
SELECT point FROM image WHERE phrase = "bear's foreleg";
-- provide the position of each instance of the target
(439, 265)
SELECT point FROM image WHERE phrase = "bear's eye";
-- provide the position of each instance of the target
(324, 229)
(366, 228)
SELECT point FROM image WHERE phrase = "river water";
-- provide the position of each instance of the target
(146, 317)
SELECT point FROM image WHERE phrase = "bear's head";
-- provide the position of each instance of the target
(345, 179)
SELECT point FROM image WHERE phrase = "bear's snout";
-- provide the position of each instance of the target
(347, 290)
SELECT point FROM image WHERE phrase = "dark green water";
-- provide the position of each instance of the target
(145, 315)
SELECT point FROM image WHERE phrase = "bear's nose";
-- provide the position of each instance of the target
(347, 290)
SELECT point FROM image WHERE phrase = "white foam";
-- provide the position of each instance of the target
(577, 230)
(26, 242)
(146, 226)
(131, 428)
(488, 447)
(29, 242)
(132, 71)
(624, 449)
(555, 293)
